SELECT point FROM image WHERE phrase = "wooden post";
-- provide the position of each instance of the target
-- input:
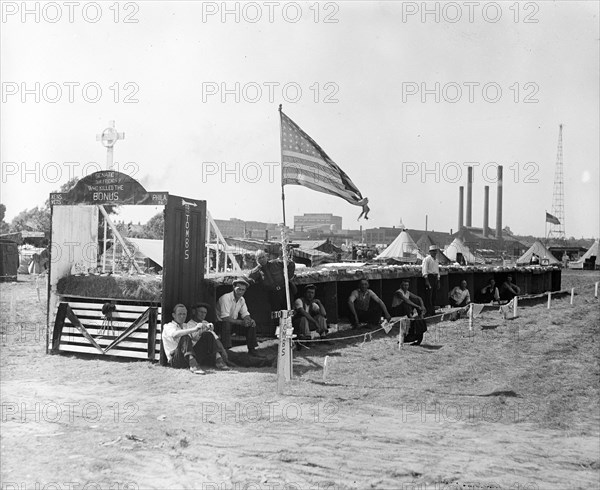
(471, 317)
(114, 248)
(325, 367)
(515, 303)
(401, 334)
(104, 252)
(549, 299)
(284, 359)
(572, 294)
(596, 290)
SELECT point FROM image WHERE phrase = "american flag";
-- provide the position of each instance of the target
(305, 163)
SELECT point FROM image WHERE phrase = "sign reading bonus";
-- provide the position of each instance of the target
(108, 187)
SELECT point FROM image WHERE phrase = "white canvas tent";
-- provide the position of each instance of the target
(403, 247)
(592, 252)
(458, 246)
(542, 252)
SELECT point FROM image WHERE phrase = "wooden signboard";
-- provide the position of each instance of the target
(184, 253)
(108, 187)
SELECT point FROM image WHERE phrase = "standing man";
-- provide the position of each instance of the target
(232, 310)
(177, 342)
(431, 274)
(365, 306)
(269, 274)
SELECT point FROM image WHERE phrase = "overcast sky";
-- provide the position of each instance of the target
(350, 74)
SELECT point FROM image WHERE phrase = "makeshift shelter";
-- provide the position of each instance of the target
(457, 247)
(403, 247)
(541, 251)
(311, 257)
(590, 257)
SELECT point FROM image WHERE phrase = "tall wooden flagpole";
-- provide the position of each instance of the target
(281, 148)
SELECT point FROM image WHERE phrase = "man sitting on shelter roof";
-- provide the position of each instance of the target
(365, 306)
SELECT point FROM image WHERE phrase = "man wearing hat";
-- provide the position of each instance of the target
(232, 310)
(431, 274)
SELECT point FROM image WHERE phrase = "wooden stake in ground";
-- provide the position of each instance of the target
(515, 306)
(572, 294)
(549, 299)
(471, 318)
(596, 290)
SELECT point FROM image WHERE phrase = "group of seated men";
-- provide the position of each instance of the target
(195, 344)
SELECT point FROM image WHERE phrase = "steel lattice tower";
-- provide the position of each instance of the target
(558, 195)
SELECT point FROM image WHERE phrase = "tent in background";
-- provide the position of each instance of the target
(592, 252)
(541, 251)
(424, 242)
(403, 247)
(458, 247)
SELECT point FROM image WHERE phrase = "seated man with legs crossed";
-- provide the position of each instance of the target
(177, 342)
(309, 315)
(210, 350)
(232, 310)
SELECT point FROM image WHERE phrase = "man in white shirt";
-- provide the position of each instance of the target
(232, 310)
(459, 296)
(431, 273)
(177, 342)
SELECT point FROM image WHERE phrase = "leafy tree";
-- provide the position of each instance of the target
(35, 219)
(4, 227)
(155, 227)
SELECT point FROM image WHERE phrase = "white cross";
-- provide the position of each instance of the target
(108, 138)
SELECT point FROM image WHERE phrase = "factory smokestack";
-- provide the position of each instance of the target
(499, 205)
(461, 206)
(486, 209)
(469, 194)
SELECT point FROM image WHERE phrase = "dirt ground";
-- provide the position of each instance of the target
(516, 406)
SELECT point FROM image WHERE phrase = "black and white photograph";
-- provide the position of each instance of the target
(304, 245)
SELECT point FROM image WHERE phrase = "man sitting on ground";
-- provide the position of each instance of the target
(490, 293)
(309, 315)
(211, 352)
(178, 344)
(406, 303)
(509, 289)
(232, 310)
(459, 296)
(365, 306)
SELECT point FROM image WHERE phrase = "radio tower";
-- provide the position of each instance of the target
(558, 196)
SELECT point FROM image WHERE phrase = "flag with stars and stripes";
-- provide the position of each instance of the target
(303, 162)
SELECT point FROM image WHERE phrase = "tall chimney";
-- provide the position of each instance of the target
(499, 205)
(486, 209)
(469, 194)
(461, 206)
(425, 222)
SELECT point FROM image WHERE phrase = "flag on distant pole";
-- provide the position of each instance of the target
(303, 162)
(552, 219)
